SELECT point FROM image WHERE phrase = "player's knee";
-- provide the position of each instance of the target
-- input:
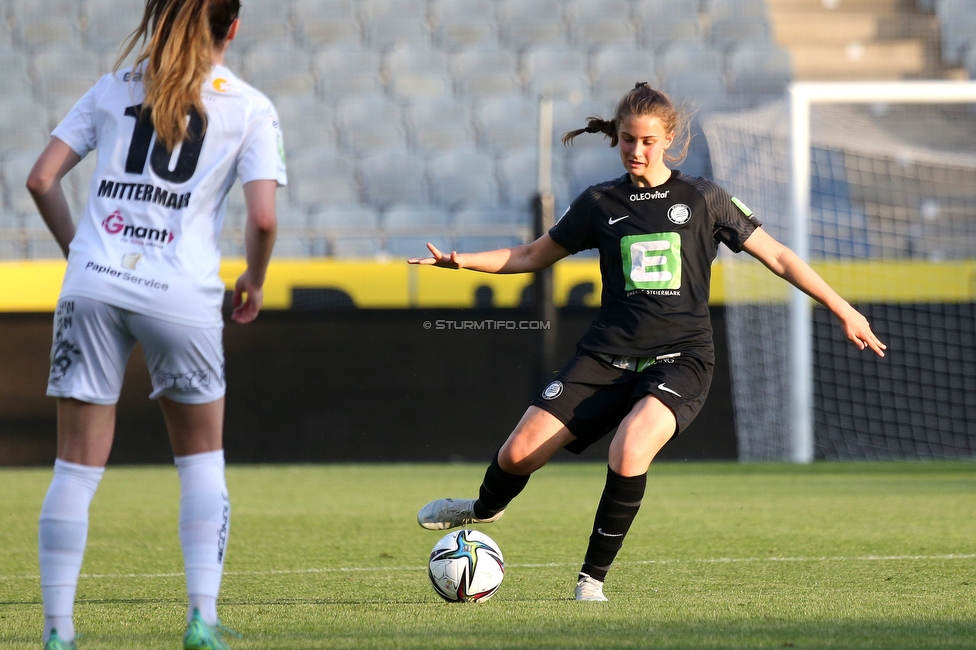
(516, 458)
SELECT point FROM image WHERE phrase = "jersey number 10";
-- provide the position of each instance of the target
(186, 162)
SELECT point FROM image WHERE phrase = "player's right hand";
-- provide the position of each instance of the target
(452, 261)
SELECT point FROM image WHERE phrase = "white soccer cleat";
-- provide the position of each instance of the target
(590, 589)
(451, 513)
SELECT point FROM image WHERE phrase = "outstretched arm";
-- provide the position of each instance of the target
(44, 184)
(540, 254)
(785, 263)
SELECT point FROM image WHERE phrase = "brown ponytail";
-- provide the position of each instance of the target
(181, 36)
(644, 100)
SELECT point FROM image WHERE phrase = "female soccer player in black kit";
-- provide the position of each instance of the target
(645, 364)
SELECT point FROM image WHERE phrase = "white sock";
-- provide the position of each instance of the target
(204, 527)
(62, 534)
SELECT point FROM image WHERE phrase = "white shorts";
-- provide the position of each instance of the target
(93, 340)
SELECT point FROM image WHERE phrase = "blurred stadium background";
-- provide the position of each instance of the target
(409, 121)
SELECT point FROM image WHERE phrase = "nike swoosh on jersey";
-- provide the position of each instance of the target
(612, 221)
(600, 531)
(661, 386)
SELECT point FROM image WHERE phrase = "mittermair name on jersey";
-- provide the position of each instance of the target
(644, 196)
(143, 192)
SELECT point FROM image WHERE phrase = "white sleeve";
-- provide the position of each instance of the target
(263, 154)
(77, 129)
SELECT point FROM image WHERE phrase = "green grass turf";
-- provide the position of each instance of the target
(856, 555)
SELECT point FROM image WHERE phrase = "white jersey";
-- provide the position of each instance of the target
(149, 238)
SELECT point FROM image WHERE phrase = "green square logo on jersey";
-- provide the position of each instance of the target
(651, 261)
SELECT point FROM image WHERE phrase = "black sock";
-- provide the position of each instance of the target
(619, 505)
(497, 490)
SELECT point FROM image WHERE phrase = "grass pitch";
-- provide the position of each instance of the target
(879, 555)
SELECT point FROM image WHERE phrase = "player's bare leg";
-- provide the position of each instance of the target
(536, 438)
(640, 436)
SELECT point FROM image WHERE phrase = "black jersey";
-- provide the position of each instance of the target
(656, 250)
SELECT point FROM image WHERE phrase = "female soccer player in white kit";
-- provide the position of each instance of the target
(171, 135)
(645, 364)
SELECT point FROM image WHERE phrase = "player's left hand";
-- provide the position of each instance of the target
(248, 299)
(858, 331)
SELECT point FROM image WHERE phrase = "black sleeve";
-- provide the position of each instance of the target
(732, 221)
(574, 230)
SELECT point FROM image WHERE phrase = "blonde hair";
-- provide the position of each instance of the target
(644, 100)
(178, 39)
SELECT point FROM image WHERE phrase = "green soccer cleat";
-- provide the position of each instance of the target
(202, 636)
(55, 642)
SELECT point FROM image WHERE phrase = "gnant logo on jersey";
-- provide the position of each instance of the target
(679, 214)
(114, 224)
(143, 192)
(553, 390)
(647, 196)
(221, 85)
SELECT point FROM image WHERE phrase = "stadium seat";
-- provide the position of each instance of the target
(400, 219)
(16, 80)
(690, 57)
(592, 166)
(43, 247)
(600, 22)
(389, 30)
(531, 23)
(46, 23)
(519, 174)
(345, 71)
(327, 22)
(408, 247)
(758, 71)
(724, 34)
(463, 23)
(970, 61)
(555, 70)
(263, 22)
(355, 247)
(306, 122)
(369, 123)
(276, 68)
(439, 124)
(11, 244)
(110, 22)
(663, 23)
(958, 33)
(66, 72)
(418, 71)
(723, 10)
(291, 246)
(23, 123)
(292, 219)
(616, 69)
(463, 177)
(475, 218)
(485, 71)
(507, 122)
(349, 219)
(701, 90)
(394, 175)
(322, 176)
(838, 228)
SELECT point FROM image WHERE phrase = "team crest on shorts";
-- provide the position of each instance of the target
(553, 390)
(679, 214)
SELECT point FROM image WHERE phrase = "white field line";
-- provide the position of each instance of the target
(720, 560)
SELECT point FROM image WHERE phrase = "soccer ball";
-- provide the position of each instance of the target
(466, 566)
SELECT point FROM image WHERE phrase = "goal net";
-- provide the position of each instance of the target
(875, 185)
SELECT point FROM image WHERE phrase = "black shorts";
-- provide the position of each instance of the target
(591, 396)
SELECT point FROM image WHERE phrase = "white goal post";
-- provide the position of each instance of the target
(802, 95)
